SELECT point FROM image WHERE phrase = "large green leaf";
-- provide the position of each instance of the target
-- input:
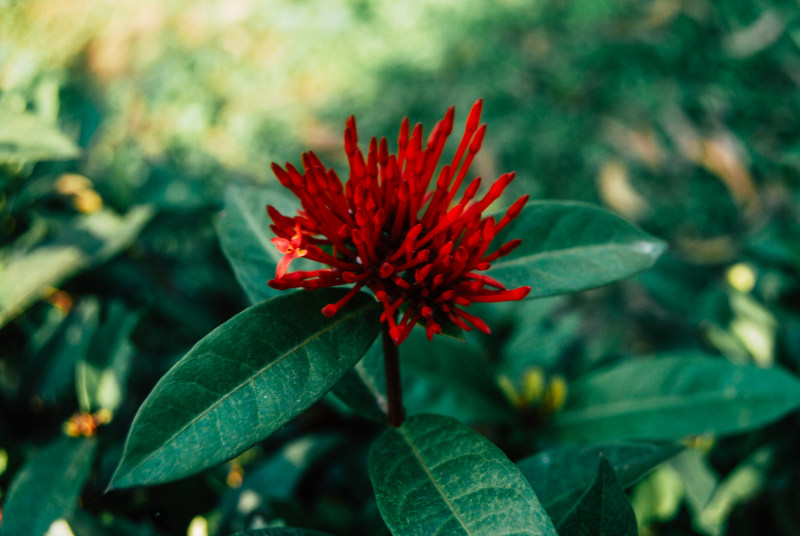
(561, 475)
(243, 381)
(670, 397)
(604, 510)
(244, 235)
(568, 246)
(47, 487)
(25, 137)
(92, 239)
(435, 476)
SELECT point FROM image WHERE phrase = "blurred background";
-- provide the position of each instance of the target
(122, 123)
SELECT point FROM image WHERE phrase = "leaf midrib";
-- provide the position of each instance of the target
(433, 480)
(564, 251)
(244, 383)
(668, 402)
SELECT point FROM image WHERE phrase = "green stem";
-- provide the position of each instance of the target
(394, 392)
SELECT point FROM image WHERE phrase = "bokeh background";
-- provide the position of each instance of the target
(680, 115)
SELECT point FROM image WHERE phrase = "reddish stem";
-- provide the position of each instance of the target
(394, 392)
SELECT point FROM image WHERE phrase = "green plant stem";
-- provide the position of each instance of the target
(394, 390)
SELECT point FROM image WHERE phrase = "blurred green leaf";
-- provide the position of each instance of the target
(669, 397)
(25, 137)
(604, 510)
(47, 487)
(101, 375)
(91, 240)
(281, 531)
(57, 360)
(567, 247)
(243, 381)
(244, 235)
(433, 475)
(561, 475)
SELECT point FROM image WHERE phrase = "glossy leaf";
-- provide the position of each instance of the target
(47, 487)
(561, 475)
(604, 510)
(92, 239)
(363, 388)
(25, 137)
(568, 246)
(670, 397)
(435, 476)
(243, 381)
(244, 235)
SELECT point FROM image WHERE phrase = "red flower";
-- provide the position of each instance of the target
(417, 248)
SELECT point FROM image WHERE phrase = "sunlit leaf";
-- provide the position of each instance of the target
(604, 510)
(47, 486)
(243, 381)
(25, 137)
(567, 247)
(670, 397)
(562, 474)
(435, 476)
(92, 239)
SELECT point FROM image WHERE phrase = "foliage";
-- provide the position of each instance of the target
(138, 334)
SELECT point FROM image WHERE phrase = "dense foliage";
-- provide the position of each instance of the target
(135, 149)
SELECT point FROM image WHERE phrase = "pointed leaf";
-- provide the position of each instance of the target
(670, 397)
(92, 239)
(604, 510)
(243, 381)
(561, 475)
(244, 235)
(435, 476)
(47, 487)
(567, 247)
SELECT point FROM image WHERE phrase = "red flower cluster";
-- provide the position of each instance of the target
(418, 249)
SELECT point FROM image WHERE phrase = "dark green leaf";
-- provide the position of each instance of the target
(362, 388)
(25, 137)
(433, 475)
(670, 397)
(567, 247)
(244, 235)
(604, 510)
(561, 475)
(24, 278)
(243, 381)
(47, 487)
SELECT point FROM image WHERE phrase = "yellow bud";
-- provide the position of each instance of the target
(742, 277)
(87, 201)
(556, 394)
(532, 385)
(507, 386)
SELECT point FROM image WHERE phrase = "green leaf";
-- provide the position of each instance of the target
(243, 381)
(670, 397)
(92, 239)
(101, 375)
(604, 510)
(561, 475)
(47, 487)
(433, 475)
(363, 388)
(567, 247)
(244, 235)
(25, 137)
